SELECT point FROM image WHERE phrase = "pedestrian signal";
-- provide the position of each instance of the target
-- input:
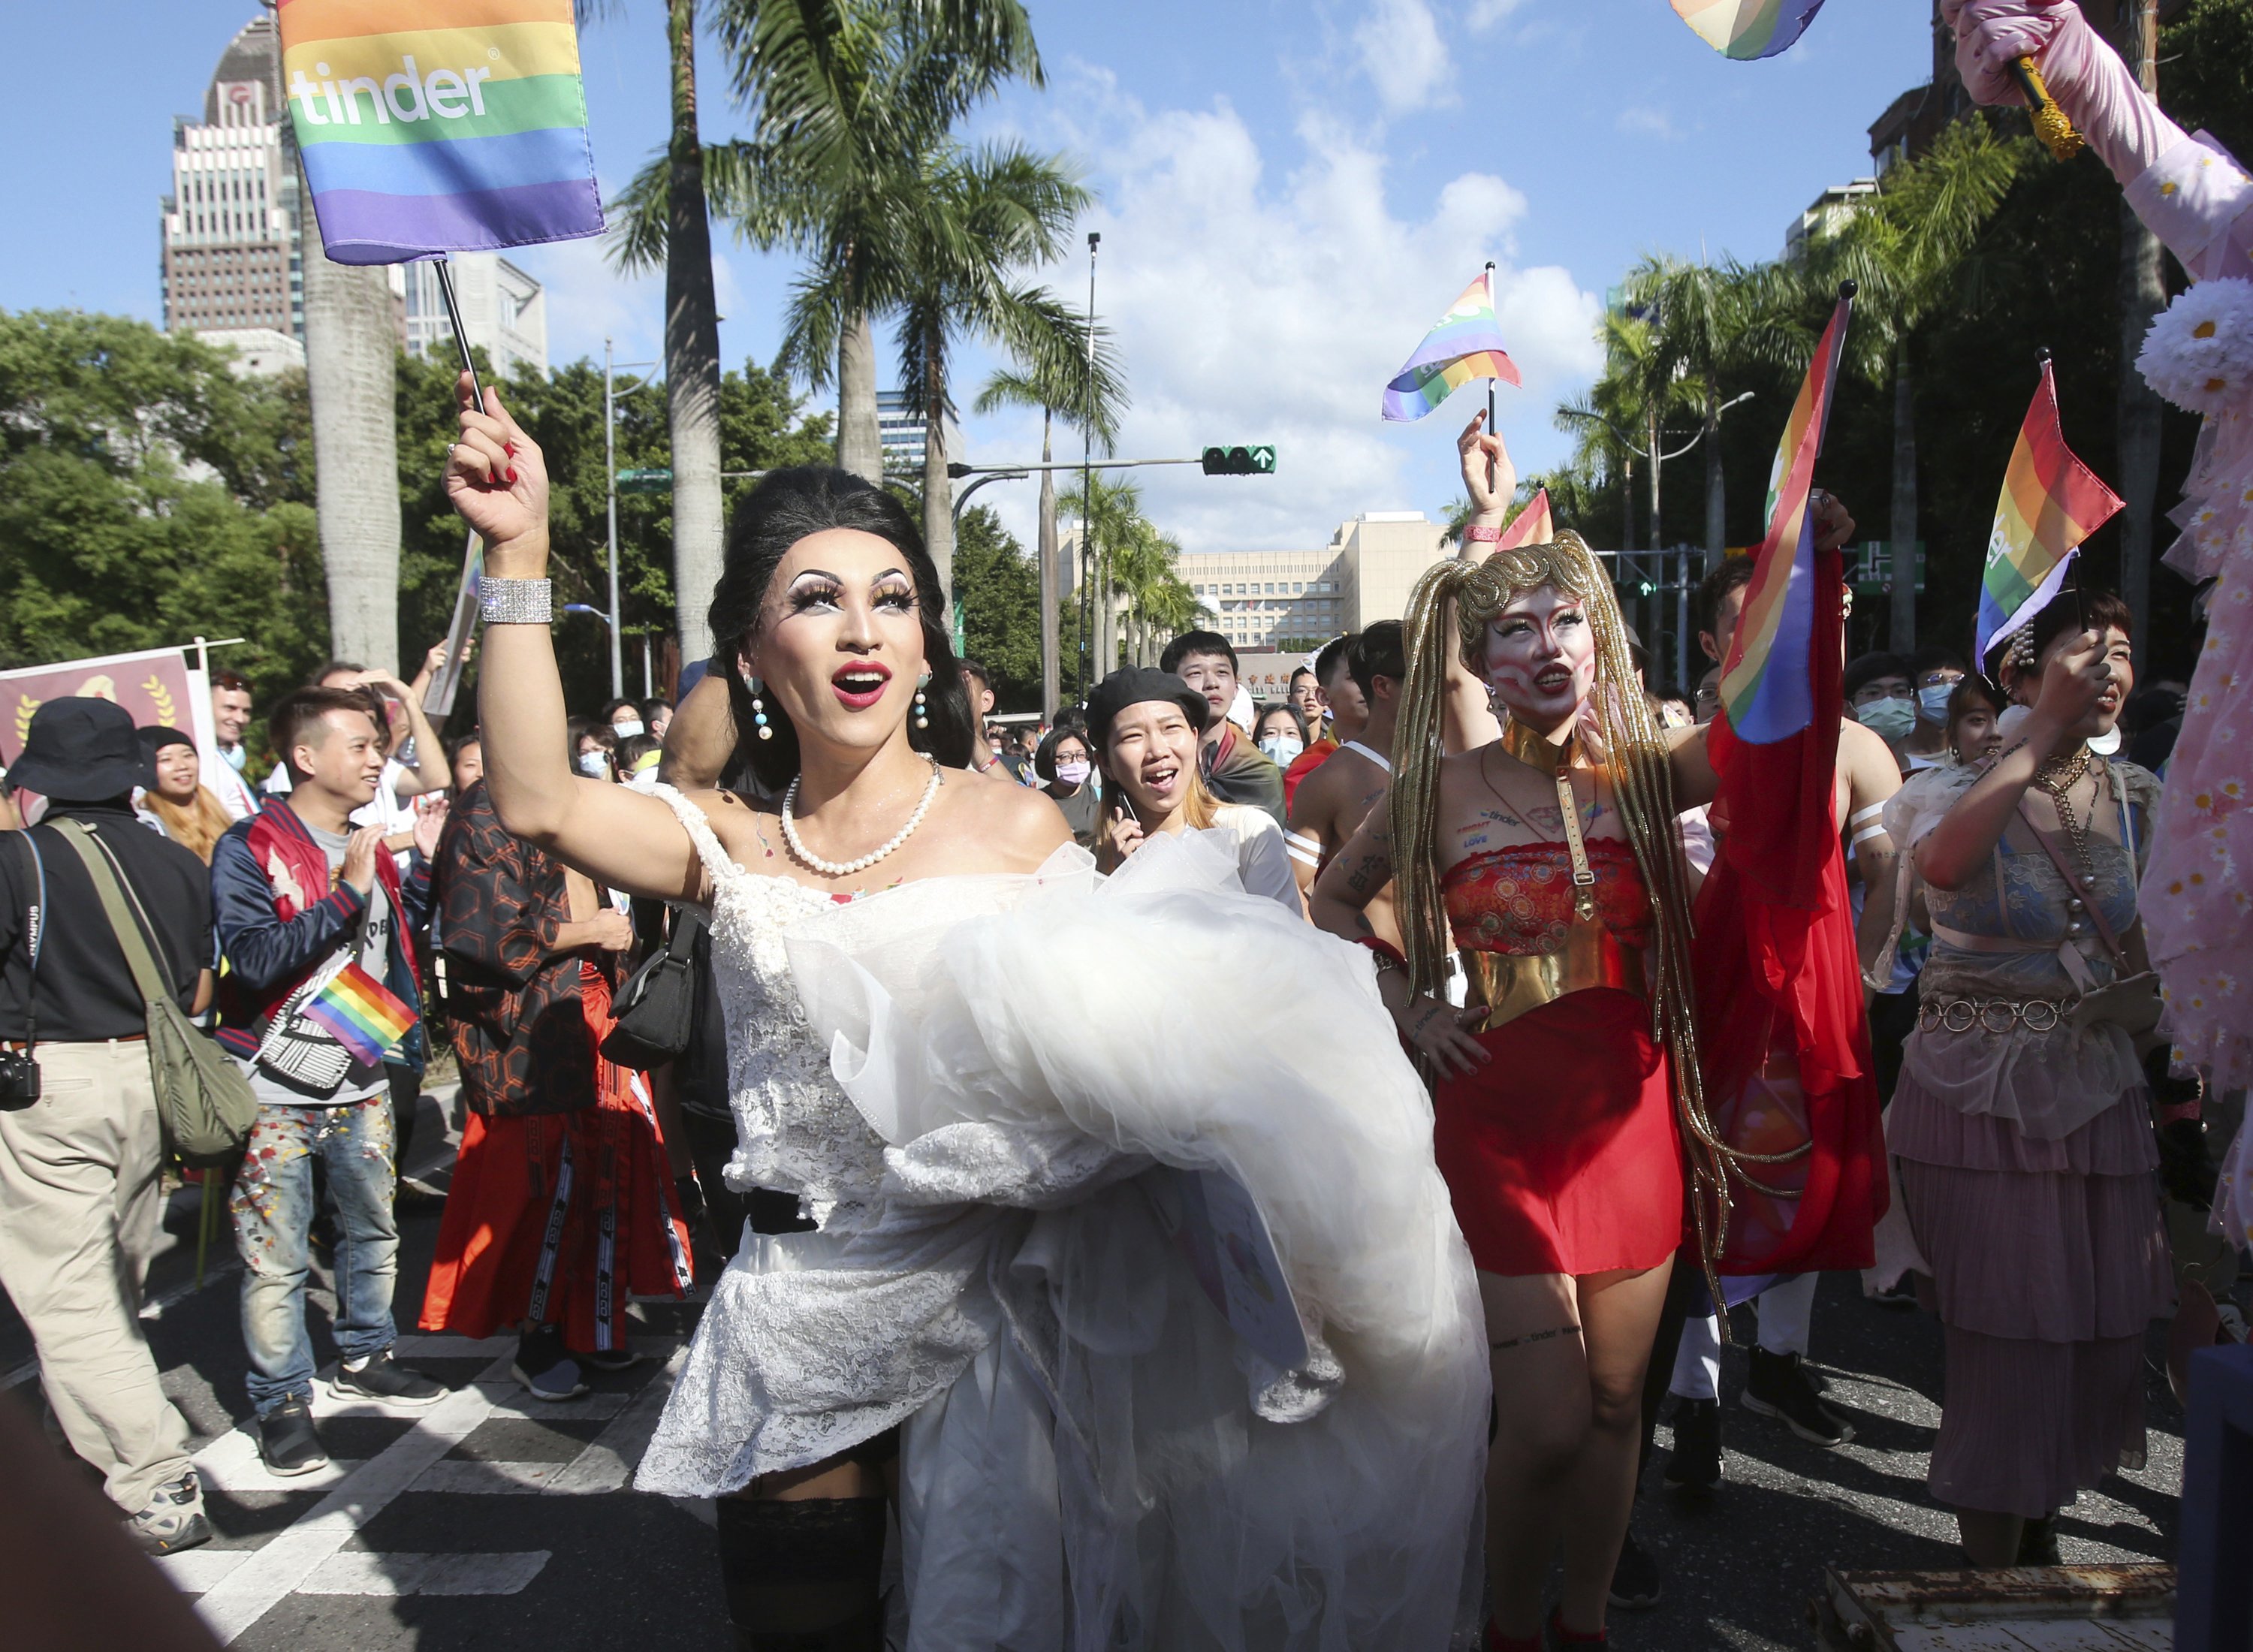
(1259, 461)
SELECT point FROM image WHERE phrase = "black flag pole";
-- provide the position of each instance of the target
(445, 267)
(1490, 413)
(2073, 569)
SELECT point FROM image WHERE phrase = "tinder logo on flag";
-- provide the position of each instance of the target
(406, 96)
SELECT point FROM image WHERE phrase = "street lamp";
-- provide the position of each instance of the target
(589, 608)
(611, 486)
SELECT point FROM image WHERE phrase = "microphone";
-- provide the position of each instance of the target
(2050, 122)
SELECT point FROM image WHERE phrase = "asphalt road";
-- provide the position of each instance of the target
(492, 1520)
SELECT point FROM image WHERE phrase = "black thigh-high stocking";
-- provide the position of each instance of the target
(804, 1575)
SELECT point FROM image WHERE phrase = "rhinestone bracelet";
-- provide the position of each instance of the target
(516, 602)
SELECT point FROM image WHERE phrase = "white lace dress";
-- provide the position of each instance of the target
(988, 1092)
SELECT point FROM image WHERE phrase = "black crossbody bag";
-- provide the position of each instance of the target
(19, 1069)
(656, 1009)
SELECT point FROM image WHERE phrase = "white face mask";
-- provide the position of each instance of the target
(1282, 750)
(595, 765)
(627, 730)
(236, 756)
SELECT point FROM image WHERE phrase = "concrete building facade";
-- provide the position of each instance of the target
(504, 310)
(1265, 599)
(230, 251)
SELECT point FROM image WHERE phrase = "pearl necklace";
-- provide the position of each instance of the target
(846, 869)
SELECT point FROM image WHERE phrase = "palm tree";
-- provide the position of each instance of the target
(1090, 397)
(1909, 254)
(976, 219)
(1112, 533)
(352, 346)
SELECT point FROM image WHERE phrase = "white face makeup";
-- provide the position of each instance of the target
(839, 642)
(1540, 658)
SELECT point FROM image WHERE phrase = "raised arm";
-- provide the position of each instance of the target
(1953, 851)
(701, 738)
(429, 771)
(1872, 776)
(497, 478)
(1466, 720)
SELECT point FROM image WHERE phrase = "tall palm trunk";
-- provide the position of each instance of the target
(2141, 297)
(1716, 526)
(1052, 636)
(692, 354)
(1900, 635)
(937, 487)
(351, 346)
(860, 440)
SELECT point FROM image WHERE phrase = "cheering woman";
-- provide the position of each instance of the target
(1143, 1378)
(1567, 1090)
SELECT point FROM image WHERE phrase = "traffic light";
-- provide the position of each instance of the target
(1249, 461)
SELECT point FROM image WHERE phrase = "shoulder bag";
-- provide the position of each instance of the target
(203, 1099)
(655, 1010)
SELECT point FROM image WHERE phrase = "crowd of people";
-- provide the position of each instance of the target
(1188, 1172)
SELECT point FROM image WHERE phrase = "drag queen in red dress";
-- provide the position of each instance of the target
(1569, 1122)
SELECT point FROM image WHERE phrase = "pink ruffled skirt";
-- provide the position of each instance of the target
(2049, 1262)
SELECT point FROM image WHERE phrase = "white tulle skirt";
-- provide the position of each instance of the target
(1117, 1464)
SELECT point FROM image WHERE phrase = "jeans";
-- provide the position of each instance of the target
(273, 1206)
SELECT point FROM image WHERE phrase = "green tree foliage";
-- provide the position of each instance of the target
(147, 495)
(998, 586)
(762, 427)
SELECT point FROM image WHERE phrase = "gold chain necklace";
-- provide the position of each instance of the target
(2058, 776)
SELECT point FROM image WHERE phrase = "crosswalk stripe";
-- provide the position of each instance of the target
(609, 1462)
(357, 1571)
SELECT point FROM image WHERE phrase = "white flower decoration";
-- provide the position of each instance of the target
(2199, 353)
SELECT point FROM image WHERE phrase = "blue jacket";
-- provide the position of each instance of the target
(280, 914)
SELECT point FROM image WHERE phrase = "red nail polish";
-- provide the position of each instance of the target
(511, 473)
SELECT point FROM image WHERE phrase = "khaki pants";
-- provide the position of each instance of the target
(78, 1208)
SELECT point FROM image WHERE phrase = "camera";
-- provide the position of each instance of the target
(19, 1080)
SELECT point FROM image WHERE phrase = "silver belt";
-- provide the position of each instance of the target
(1995, 1014)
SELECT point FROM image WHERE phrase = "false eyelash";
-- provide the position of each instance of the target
(806, 596)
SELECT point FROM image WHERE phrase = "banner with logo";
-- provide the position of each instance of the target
(158, 686)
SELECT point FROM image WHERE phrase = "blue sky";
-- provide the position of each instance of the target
(1291, 195)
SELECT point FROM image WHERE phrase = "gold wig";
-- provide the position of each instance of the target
(1450, 610)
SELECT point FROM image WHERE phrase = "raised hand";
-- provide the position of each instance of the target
(497, 478)
(1833, 525)
(1488, 473)
(2075, 679)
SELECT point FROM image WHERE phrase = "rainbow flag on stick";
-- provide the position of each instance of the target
(1531, 525)
(2051, 502)
(1465, 344)
(1775, 741)
(361, 1012)
(1747, 28)
(430, 126)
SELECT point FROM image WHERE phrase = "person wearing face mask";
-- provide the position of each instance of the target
(1879, 694)
(624, 718)
(1066, 770)
(595, 747)
(1146, 725)
(1281, 732)
(938, 1022)
(1936, 672)
(2020, 1128)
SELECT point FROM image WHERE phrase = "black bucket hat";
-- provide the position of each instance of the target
(82, 751)
(1132, 687)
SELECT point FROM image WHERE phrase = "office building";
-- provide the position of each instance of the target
(504, 310)
(230, 224)
(1829, 214)
(1270, 599)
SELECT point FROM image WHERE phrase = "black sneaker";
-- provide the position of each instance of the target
(1635, 1586)
(1694, 1465)
(174, 1519)
(385, 1379)
(286, 1444)
(609, 1359)
(2038, 1543)
(1901, 1295)
(547, 1371)
(1778, 1388)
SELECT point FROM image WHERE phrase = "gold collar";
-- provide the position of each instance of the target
(1535, 750)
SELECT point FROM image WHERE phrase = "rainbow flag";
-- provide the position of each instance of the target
(1766, 688)
(2051, 502)
(1531, 525)
(1746, 29)
(431, 126)
(1463, 345)
(361, 1012)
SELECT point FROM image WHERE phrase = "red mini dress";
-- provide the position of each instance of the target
(1561, 1153)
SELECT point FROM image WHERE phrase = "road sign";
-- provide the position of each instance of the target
(645, 481)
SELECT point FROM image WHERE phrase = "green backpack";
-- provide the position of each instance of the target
(202, 1098)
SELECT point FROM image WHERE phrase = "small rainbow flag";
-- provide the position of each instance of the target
(361, 1012)
(1531, 525)
(2050, 503)
(1766, 690)
(1746, 29)
(1465, 344)
(430, 126)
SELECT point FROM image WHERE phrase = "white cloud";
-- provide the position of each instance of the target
(1485, 14)
(1403, 56)
(1640, 122)
(1253, 307)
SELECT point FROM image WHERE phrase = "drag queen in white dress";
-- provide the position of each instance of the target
(1162, 1314)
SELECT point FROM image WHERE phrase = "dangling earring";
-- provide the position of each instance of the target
(922, 711)
(759, 711)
